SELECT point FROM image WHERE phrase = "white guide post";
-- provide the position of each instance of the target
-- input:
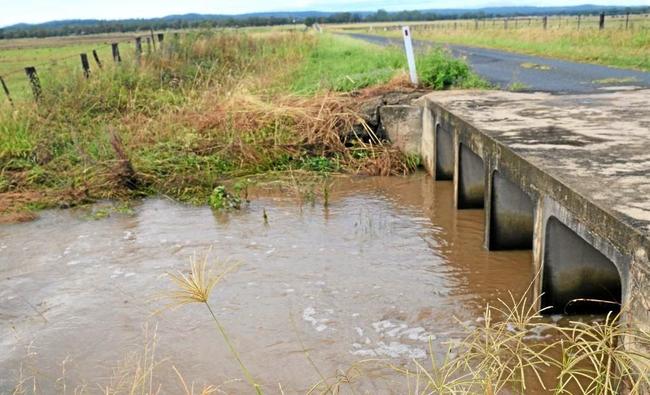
(410, 56)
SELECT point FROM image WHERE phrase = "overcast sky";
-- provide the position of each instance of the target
(34, 11)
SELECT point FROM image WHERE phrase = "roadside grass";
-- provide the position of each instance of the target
(343, 64)
(611, 47)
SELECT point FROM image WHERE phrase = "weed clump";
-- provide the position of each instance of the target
(438, 69)
(220, 199)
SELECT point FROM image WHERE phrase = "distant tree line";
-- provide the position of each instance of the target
(415, 15)
(84, 27)
(67, 28)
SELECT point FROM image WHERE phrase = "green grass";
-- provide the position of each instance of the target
(51, 59)
(344, 64)
(437, 69)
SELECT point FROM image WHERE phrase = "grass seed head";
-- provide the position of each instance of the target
(197, 285)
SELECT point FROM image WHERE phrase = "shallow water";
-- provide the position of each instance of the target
(389, 264)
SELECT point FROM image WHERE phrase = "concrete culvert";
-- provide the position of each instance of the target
(511, 216)
(577, 278)
(444, 154)
(471, 180)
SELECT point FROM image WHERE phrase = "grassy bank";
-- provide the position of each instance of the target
(210, 109)
(611, 47)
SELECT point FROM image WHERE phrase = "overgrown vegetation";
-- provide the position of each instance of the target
(206, 110)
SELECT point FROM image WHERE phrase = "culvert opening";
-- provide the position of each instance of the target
(511, 216)
(577, 278)
(444, 154)
(471, 180)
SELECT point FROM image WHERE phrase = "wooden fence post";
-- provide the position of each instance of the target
(85, 65)
(148, 44)
(153, 39)
(4, 88)
(138, 48)
(545, 22)
(34, 81)
(116, 53)
(99, 63)
(601, 23)
(627, 20)
(579, 17)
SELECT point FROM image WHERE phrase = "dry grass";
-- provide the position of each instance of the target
(196, 287)
(501, 356)
(599, 358)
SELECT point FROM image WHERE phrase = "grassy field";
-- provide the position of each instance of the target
(563, 39)
(213, 108)
(54, 56)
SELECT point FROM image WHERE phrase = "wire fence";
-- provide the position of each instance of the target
(630, 22)
(16, 83)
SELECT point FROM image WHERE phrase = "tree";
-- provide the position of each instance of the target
(309, 21)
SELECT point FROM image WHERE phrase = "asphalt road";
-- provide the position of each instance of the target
(534, 73)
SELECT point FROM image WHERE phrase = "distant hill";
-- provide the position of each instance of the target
(94, 26)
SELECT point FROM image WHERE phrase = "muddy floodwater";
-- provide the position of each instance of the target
(387, 265)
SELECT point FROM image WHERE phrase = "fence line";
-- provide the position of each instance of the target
(601, 22)
(33, 79)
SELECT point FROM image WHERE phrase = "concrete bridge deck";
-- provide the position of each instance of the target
(566, 176)
(597, 145)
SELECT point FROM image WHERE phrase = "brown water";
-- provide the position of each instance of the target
(389, 263)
